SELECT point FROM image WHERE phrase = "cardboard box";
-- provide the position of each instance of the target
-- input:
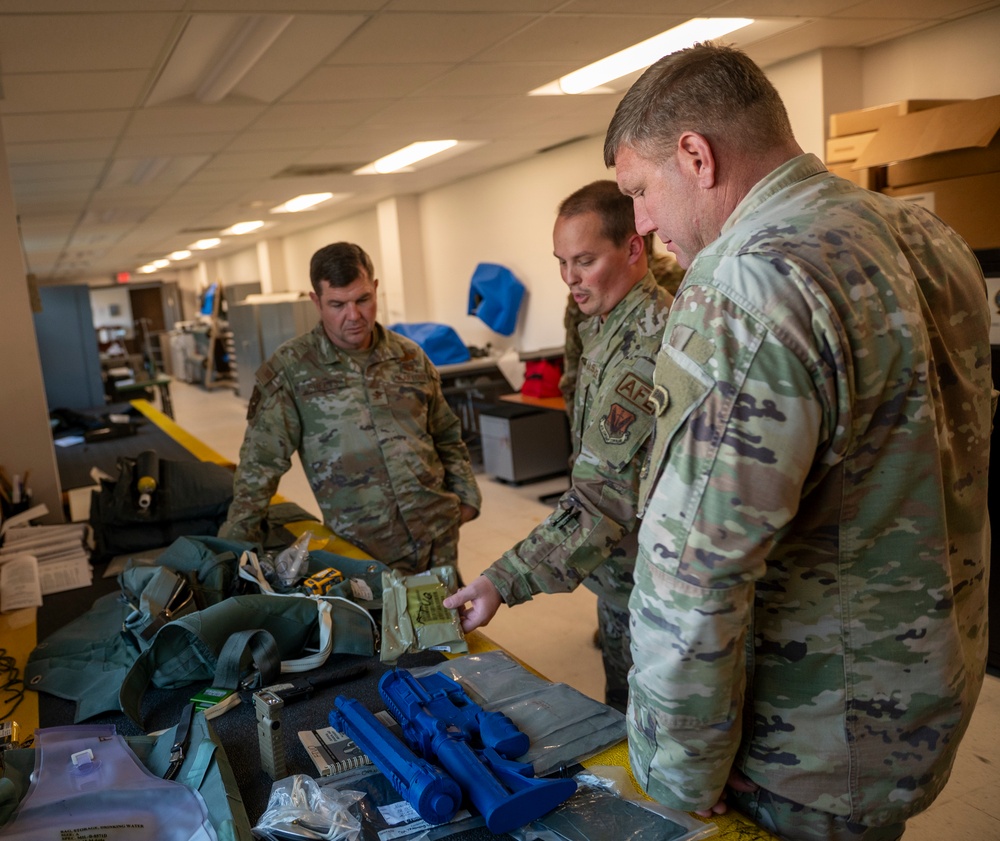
(843, 149)
(965, 125)
(871, 119)
(968, 204)
(872, 178)
(957, 164)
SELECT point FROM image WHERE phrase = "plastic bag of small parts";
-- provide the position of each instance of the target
(298, 808)
(414, 617)
(606, 807)
(385, 814)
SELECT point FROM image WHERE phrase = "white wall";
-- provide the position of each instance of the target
(299, 248)
(959, 60)
(505, 217)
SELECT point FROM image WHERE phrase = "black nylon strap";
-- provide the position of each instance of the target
(263, 651)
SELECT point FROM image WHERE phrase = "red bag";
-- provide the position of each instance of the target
(541, 378)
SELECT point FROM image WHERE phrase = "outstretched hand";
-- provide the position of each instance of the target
(476, 603)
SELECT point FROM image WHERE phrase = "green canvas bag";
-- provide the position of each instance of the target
(106, 659)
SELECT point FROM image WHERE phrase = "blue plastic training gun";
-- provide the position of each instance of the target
(477, 748)
(432, 793)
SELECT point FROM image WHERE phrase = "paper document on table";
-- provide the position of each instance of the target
(19, 584)
(60, 575)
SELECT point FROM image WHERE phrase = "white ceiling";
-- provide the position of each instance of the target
(87, 104)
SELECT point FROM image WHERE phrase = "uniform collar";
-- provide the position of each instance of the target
(787, 175)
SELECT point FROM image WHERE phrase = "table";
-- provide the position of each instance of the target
(124, 388)
(237, 728)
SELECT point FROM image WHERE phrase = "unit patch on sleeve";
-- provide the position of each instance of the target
(615, 424)
(636, 391)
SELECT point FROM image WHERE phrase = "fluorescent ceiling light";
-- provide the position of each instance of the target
(402, 158)
(303, 202)
(160, 264)
(147, 269)
(642, 54)
(202, 244)
(255, 35)
(179, 255)
(241, 228)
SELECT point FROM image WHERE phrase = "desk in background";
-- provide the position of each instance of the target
(127, 389)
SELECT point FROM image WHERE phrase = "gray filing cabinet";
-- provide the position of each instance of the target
(521, 443)
(260, 327)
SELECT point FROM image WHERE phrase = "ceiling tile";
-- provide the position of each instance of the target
(31, 93)
(579, 39)
(121, 41)
(384, 81)
(21, 153)
(411, 38)
(44, 128)
(167, 120)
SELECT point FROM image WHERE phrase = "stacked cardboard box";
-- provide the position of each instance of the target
(851, 132)
(948, 159)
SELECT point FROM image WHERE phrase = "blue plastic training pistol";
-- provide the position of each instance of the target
(477, 748)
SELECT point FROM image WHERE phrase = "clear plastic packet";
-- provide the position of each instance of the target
(564, 725)
(299, 808)
(606, 807)
(385, 814)
(291, 562)
(414, 617)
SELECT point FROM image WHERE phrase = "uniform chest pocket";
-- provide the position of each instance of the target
(679, 385)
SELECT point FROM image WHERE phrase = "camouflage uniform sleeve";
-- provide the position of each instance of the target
(446, 430)
(740, 418)
(273, 434)
(592, 516)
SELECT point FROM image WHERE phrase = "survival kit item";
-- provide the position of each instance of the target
(147, 477)
(267, 707)
(414, 617)
(299, 808)
(291, 562)
(451, 750)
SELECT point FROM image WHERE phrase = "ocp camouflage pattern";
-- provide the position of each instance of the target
(381, 448)
(592, 532)
(810, 598)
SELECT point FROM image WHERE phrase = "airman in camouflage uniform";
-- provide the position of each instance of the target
(809, 613)
(363, 407)
(668, 274)
(591, 536)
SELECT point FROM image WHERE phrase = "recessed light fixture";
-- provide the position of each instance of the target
(402, 158)
(303, 202)
(160, 264)
(147, 269)
(641, 55)
(241, 228)
(179, 255)
(210, 242)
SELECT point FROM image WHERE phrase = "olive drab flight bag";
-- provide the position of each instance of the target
(190, 618)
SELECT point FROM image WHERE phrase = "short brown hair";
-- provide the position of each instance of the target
(716, 91)
(339, 264)
(606, 200)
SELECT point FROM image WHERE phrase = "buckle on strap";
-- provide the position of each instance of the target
(182, 735)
